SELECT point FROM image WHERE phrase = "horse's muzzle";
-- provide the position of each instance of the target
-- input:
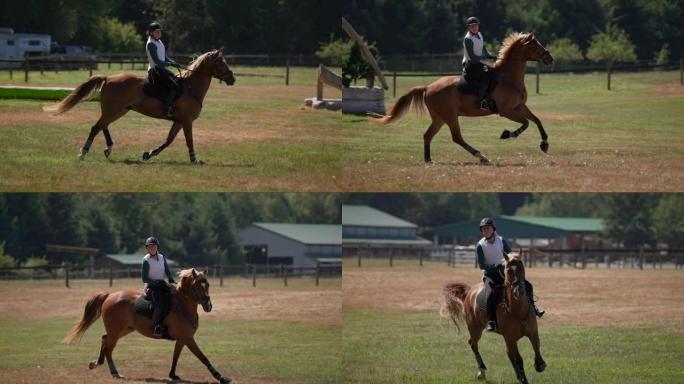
(206, 304)
(547, 59)
(229, 78)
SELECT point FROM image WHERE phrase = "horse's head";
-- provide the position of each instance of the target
(220, 68)
(535, 50)
(514, 274)
(196, 286)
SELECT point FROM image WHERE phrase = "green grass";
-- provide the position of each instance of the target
(420, 347)
(280, 351)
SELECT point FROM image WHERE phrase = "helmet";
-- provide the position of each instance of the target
(487, 221)
(151, 240)
(153, 27)
(473, 20)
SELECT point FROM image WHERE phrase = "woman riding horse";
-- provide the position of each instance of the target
(157, 73)
(474, 50)
(154, 269)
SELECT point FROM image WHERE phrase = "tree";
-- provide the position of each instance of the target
(628, 221)
(565, 50)
(611, 45)
(6, 261)
(119, 37)
(566, 205)
(668, 220)
(100, 231)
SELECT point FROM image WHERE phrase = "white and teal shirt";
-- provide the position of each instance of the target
(474, 48)
(156, 54)
(154, 269)
(489, 254)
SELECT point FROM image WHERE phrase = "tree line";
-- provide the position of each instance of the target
(628, 29)
(193, 228)
(240, 26)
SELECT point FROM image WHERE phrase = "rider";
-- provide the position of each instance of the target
(158, 75)
(474, 51)
(490, 251)
(154, 269)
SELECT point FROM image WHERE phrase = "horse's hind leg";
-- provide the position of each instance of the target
(110, 142)
(429, 134)
(455, 129)
(110, 344)
(175, 128)
(529, 115)
(475, 334)
(94, 130)
(100, 360)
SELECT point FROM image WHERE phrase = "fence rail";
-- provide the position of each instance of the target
(254, 272)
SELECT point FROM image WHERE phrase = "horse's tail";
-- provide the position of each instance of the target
(415, 96)
(92, 312)
(454, 296)
(84, 91)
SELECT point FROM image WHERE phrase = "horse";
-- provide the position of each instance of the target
(445, 101)
(515, 316)
(120, 319)
(123, 92)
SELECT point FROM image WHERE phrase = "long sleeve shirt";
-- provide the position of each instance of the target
(155, 269)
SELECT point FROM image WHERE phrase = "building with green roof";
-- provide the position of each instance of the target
(297, 245)
(552, 232)
(378, 232)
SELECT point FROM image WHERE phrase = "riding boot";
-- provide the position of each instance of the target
(537, 311)
(481, 98)
(158, 310)
(491, 312)
(168, 104)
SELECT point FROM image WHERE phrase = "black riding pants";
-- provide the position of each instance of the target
(492, 283)
(160, 294)
(479, 74)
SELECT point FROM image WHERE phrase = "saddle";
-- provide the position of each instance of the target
(481, 299)
(468, 86)
(159, 93)
(143, 306)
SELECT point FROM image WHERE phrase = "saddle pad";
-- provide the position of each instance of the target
(143, 307)
(157, 93)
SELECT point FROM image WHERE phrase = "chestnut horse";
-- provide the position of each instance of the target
(515, 316)
(120, 319)
(124, 92)
(445, 103)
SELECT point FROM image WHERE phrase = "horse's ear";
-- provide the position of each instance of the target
(220, 51)
(206, 270)
(194, 273)
(506, 257)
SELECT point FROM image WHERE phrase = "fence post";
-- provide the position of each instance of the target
(538, 71)
(66, 274)
(358, 253)
(681, 72)
(608, 261)
(609, 68)
(253, 275)
(11, 68)
(285, 274)
(318, 272)
(26, 70)
(109, 63)
(394, 84)
(390, 258)
(287, 72)
(421, 257)
(111, 276)
(90, 67)
(220, 275)
(584, 258)
(641, 258)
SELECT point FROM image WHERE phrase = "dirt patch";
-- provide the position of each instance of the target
(668, 89)
(544, 117)
(319, 306)
(570, 296)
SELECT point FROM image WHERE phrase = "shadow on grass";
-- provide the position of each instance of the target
(155, 380)
(182, 163)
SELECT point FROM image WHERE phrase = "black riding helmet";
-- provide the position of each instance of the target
(487, 221)
(151, 240)
(472, 20)
(153, 27)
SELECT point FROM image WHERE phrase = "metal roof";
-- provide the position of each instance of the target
(363, 215)
(310, 234)
(134, 259)
(416, 241)
(529, 227)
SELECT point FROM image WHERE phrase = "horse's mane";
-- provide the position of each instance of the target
(507, 46)
(186, 273)
(196, 63)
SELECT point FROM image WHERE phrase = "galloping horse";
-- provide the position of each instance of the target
(515, 316)
(120, 319)
(124, 92)
(445, 102)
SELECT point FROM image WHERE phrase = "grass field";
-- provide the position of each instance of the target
(601, 326)
(265, 335)
(256, 135)
(626, 139)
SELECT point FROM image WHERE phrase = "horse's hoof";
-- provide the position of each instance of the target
(107, 152)
(146, 156)
(506, 134)
(82, 154)
(225, 380)
(481, 376)
(540, 367)
(198, 162)
(175, 378)
(92, 365)
(544, 146)
(484, 160)
(117, 376)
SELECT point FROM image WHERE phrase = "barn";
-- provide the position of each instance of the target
(296, 245)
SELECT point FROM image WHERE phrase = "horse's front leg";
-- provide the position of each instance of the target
(187, 131)
(518, 117)
(175, 128)
(516, 360)
(176, 354)
(192, 345)
(539, 363)
(529, 115)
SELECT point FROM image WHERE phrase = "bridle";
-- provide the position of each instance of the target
(221, 77)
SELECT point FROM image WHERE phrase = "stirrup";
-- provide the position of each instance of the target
(158, 330)
(484, 105)
(491, 326)
(538, 312)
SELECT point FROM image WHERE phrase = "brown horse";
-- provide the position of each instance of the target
(120, 319)
(445, 103)
(124, 92)
(515, 316)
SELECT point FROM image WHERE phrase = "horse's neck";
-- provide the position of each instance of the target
(188, 307)
(200, 80)
(518, 308)
(513, 71)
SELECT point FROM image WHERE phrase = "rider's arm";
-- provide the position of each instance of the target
(153, 53)
(168, 272)
(481, 262)
(486, 53)
(146, 273)
(506, 247)
(468, 44)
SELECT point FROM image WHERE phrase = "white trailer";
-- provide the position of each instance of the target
(19, 45)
